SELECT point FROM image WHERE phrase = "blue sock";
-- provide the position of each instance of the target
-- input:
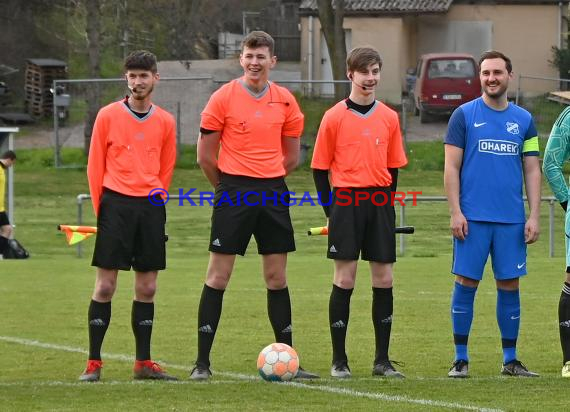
(461, 318)
(509, 319)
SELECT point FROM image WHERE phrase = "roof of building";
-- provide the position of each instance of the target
(378, 7)
(510, 2)
(48, 62)
(384, 6)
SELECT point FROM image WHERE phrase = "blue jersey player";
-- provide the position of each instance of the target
(489, 146)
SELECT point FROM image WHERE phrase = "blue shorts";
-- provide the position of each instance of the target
(504, 241)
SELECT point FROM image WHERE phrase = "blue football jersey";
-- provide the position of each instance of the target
(493, 144)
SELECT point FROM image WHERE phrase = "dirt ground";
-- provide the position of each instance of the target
(41, 137)
(435, 130)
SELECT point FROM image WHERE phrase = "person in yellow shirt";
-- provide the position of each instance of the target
(7, 160)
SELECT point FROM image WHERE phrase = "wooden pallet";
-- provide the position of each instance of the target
(560, 97)
(38, 81)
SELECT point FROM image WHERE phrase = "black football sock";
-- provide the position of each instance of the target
(564, 320)
(209, 313)
(382, 309)
(3, 244)
(142, 317)
(339, 313)
(279, 311)
(99, 317)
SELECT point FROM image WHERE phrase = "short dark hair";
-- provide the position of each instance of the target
(8, 154)
(141, 60)
(360, 58)
(257, 39)
(494, 54)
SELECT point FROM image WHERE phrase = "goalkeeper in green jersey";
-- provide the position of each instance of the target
(557, 152)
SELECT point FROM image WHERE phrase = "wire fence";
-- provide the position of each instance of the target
(544, 98)
(183, 97)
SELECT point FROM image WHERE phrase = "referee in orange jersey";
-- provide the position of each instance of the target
(249, 141)
(133, 151)
(359, 148)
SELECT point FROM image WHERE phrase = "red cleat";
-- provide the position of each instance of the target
(92, 372)
(148, 369)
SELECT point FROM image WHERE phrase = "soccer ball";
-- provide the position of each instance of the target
(278, 362)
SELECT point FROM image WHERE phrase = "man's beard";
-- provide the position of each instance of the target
(500, 91)
(142, 96)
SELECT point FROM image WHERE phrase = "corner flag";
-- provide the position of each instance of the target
(76, 234)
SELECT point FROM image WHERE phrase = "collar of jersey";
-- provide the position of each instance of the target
(252, 93)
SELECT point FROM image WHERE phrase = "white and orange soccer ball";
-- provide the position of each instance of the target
(278, 362)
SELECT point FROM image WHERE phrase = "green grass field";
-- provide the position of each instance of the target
(44, 300)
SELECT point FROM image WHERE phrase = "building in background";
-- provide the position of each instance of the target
(403, 30)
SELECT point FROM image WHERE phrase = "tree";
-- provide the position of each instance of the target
(188, 29)
(22, 39)
(331, 16)
(561, 57)
(561, 60)
(93, 31)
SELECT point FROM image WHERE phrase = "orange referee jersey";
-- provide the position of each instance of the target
(129, 155)
(251, 127)
(359, 148)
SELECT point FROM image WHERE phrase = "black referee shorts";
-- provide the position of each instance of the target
(367, 228)
(245, 206)
(4, 217)
(130, 233)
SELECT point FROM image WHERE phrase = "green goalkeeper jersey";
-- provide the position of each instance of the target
(556, 153)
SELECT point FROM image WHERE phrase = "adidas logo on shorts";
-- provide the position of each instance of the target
(216, 242)
(332, 249)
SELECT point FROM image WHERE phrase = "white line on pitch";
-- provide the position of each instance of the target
(121, 357)
(392, 398)
(322, 388)
(113, 383)
(423, 378)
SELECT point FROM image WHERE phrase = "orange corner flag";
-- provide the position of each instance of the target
(324, 230)
(76, 234)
